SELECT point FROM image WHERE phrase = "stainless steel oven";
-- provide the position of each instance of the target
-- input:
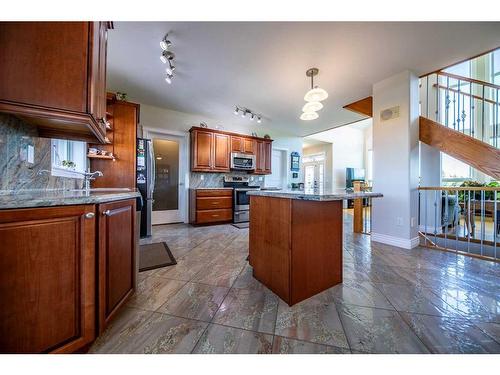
(244, 162)
(241, 205)
(241, 201)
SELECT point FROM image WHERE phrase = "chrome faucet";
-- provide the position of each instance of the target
(89, 176)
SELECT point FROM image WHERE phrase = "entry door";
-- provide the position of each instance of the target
(167, 189)
(314, 175)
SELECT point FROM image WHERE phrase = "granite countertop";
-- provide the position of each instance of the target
(61, 197)
(212, 188)
(311, 195)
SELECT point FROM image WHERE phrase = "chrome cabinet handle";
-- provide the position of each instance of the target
(89, 215)
(107, 213)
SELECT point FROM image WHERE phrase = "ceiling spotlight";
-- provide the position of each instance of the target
(252, 117)
(170, 69)
(312, 107)
(316, 94)
(236, 110)
(168, 79)
(308, 116)
(165, 43)
(259, 119)
(166, 56)
(243, 113)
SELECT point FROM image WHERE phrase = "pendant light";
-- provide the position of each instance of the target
(308, 116)
(315, 94)
(312, 107)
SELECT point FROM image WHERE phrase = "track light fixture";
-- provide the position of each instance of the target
(167, 57)
(165, 43)
(245, 111)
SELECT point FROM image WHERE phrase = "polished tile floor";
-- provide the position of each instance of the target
(391, 301)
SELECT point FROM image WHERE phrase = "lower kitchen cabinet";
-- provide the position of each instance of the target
(211, 206)
(116, 264)
(47, 279)
(64, 273)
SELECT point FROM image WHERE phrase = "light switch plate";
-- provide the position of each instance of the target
(31, 154)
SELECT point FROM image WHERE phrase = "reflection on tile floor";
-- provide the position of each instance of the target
(392, 301)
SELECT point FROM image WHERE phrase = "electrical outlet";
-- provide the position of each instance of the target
(261, 178)
(251, 178)
(202, 177)
(399, 221)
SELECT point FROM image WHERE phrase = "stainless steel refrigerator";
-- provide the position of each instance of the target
(145, 181)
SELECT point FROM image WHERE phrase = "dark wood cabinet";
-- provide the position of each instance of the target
(210, 152)
(116, 263)
(201, 150)
(211, 206)
(242, 144)
(263, 159)
(123, 118)
(237, 144)
(47, 279)
(53, 75)
(221, 153)
(249, 146)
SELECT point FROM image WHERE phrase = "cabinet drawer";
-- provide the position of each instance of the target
(210, 203)
(212, 216)
(214, 193)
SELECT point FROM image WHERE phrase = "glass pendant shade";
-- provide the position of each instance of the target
(308, 116)
(312, 107)
(315, 95)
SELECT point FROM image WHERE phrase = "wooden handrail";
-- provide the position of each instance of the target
(465, 93)
(460, 188)
(466, 79)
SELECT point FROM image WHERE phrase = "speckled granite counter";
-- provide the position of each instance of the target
(311, 195)
(61, 197)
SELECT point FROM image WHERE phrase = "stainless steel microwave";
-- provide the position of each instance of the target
(243, 162)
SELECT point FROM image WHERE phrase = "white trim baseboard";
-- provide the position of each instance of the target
(404, 243)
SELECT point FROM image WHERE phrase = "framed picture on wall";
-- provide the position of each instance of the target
(294, 161)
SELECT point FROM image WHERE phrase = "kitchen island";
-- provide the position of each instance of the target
(296, 240)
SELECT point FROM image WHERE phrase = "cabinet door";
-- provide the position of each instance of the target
(260, 157)
(116, 257)
(47, 279)
(201, 151)
(221, 153)
(268, 157)
(249, 146)
(237, 144)
(44, 64)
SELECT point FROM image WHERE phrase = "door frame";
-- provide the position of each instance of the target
(183, 138)
(284, 165)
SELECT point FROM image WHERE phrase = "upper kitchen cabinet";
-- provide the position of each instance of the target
(53, 75)
(243, 144)
(264, 154)
(209, 151)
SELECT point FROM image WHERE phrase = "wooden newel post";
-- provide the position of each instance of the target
(358, 208)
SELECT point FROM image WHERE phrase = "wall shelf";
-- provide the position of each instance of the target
(91, 156)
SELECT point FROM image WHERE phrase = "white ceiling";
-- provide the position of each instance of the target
(261, 65)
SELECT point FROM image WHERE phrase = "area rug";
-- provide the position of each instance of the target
(155, 255)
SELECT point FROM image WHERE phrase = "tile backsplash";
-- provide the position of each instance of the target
(216, 179)
(15, 170)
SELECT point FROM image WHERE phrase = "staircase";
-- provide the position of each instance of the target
(460, 117)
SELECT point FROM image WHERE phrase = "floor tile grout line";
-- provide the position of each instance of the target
(405, 322)
(218, 308)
